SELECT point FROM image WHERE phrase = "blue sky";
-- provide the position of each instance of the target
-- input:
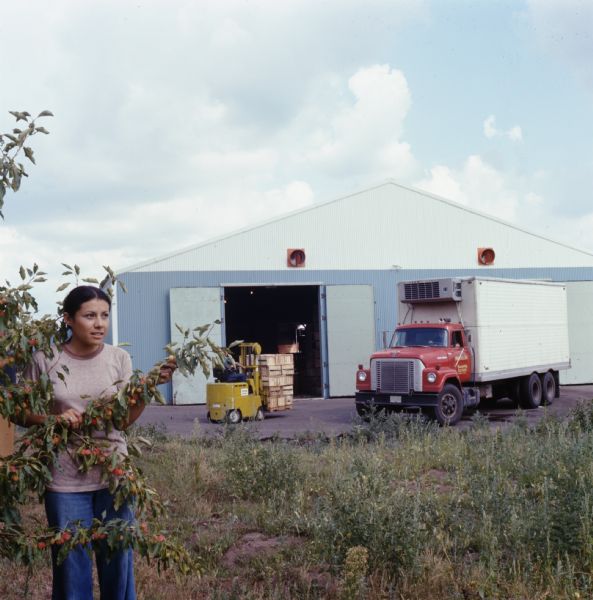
(177, 121)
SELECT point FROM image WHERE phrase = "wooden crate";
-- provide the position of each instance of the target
(278, 390)
(272, 360)
(277, 374)
(268, 359)
(266, 371)
(277, 403)
(276, 380)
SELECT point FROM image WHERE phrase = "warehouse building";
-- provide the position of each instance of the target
(322, 280)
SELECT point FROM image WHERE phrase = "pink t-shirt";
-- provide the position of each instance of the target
(89, 377)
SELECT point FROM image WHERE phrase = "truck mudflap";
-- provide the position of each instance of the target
(471, 397)
(366, 401)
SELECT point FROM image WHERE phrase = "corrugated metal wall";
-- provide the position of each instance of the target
(376, 229)
(143, 313)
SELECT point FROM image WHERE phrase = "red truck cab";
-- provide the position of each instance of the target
(426, 366)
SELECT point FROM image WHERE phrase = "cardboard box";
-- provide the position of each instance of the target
(288, 348)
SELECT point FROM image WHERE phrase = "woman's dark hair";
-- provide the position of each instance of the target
(81, 294)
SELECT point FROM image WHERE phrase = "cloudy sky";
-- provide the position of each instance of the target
(177, 121)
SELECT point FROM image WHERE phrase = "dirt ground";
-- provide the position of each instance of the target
(334, 416)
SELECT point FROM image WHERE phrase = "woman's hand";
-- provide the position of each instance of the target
(167, 370)
(72, 417)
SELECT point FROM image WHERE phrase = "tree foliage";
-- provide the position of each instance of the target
(12, 145)
(25, 474)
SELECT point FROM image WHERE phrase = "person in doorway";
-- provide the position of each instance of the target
(92, 368)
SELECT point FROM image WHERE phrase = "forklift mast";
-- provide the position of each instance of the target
(249, 351)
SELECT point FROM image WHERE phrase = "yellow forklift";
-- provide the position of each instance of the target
(236, 393)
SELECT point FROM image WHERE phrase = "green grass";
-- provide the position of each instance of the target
(399, 508)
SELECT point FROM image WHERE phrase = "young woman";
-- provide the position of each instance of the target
(92, 369)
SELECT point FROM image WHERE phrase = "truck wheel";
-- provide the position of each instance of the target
(233, 416)
(449, 408)
(548, 389)
(259, 415)
(363, 411)
(531, 391)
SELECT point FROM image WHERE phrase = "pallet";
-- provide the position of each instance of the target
(275, 404)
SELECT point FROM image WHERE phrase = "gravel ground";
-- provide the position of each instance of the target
(335, 415)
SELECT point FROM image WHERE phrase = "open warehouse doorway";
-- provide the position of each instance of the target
(282, 319)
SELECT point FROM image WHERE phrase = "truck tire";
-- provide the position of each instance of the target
(259, 415)
(363, 411)
(531, 391)
(449, 408)
(548, 388)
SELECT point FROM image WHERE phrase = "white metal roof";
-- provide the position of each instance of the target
(386, 226)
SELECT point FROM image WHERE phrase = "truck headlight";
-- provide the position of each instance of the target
(431, 377)
(361, 376)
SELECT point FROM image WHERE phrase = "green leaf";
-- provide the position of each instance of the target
(62, 287)
(20, 116)
(67, 266)
(22, 272)
(42, 130)
(90, 280)
(45, 113)
(29, 154)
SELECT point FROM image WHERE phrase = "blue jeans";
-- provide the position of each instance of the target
(73, 578)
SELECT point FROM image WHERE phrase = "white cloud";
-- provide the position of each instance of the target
(477, 185)
(179, 121)
(489, 130)
(364, 134)
(482, 187)
(514, 134)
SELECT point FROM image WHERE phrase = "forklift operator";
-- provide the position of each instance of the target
(230, 371)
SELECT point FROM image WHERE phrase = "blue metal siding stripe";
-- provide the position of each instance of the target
(143, 313)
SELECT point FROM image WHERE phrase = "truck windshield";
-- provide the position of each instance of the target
(423, 336)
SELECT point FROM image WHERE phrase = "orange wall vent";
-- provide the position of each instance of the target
(486, 256)
(295, 257)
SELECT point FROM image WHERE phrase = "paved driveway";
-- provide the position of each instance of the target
(335, 415)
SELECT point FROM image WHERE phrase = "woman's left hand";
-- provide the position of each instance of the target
(167, 370)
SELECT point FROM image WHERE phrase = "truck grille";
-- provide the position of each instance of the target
(394, 376)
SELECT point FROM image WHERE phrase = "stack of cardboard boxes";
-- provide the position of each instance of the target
(276, 373)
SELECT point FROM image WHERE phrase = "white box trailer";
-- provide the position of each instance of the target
(514, 326)
(460, 340)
